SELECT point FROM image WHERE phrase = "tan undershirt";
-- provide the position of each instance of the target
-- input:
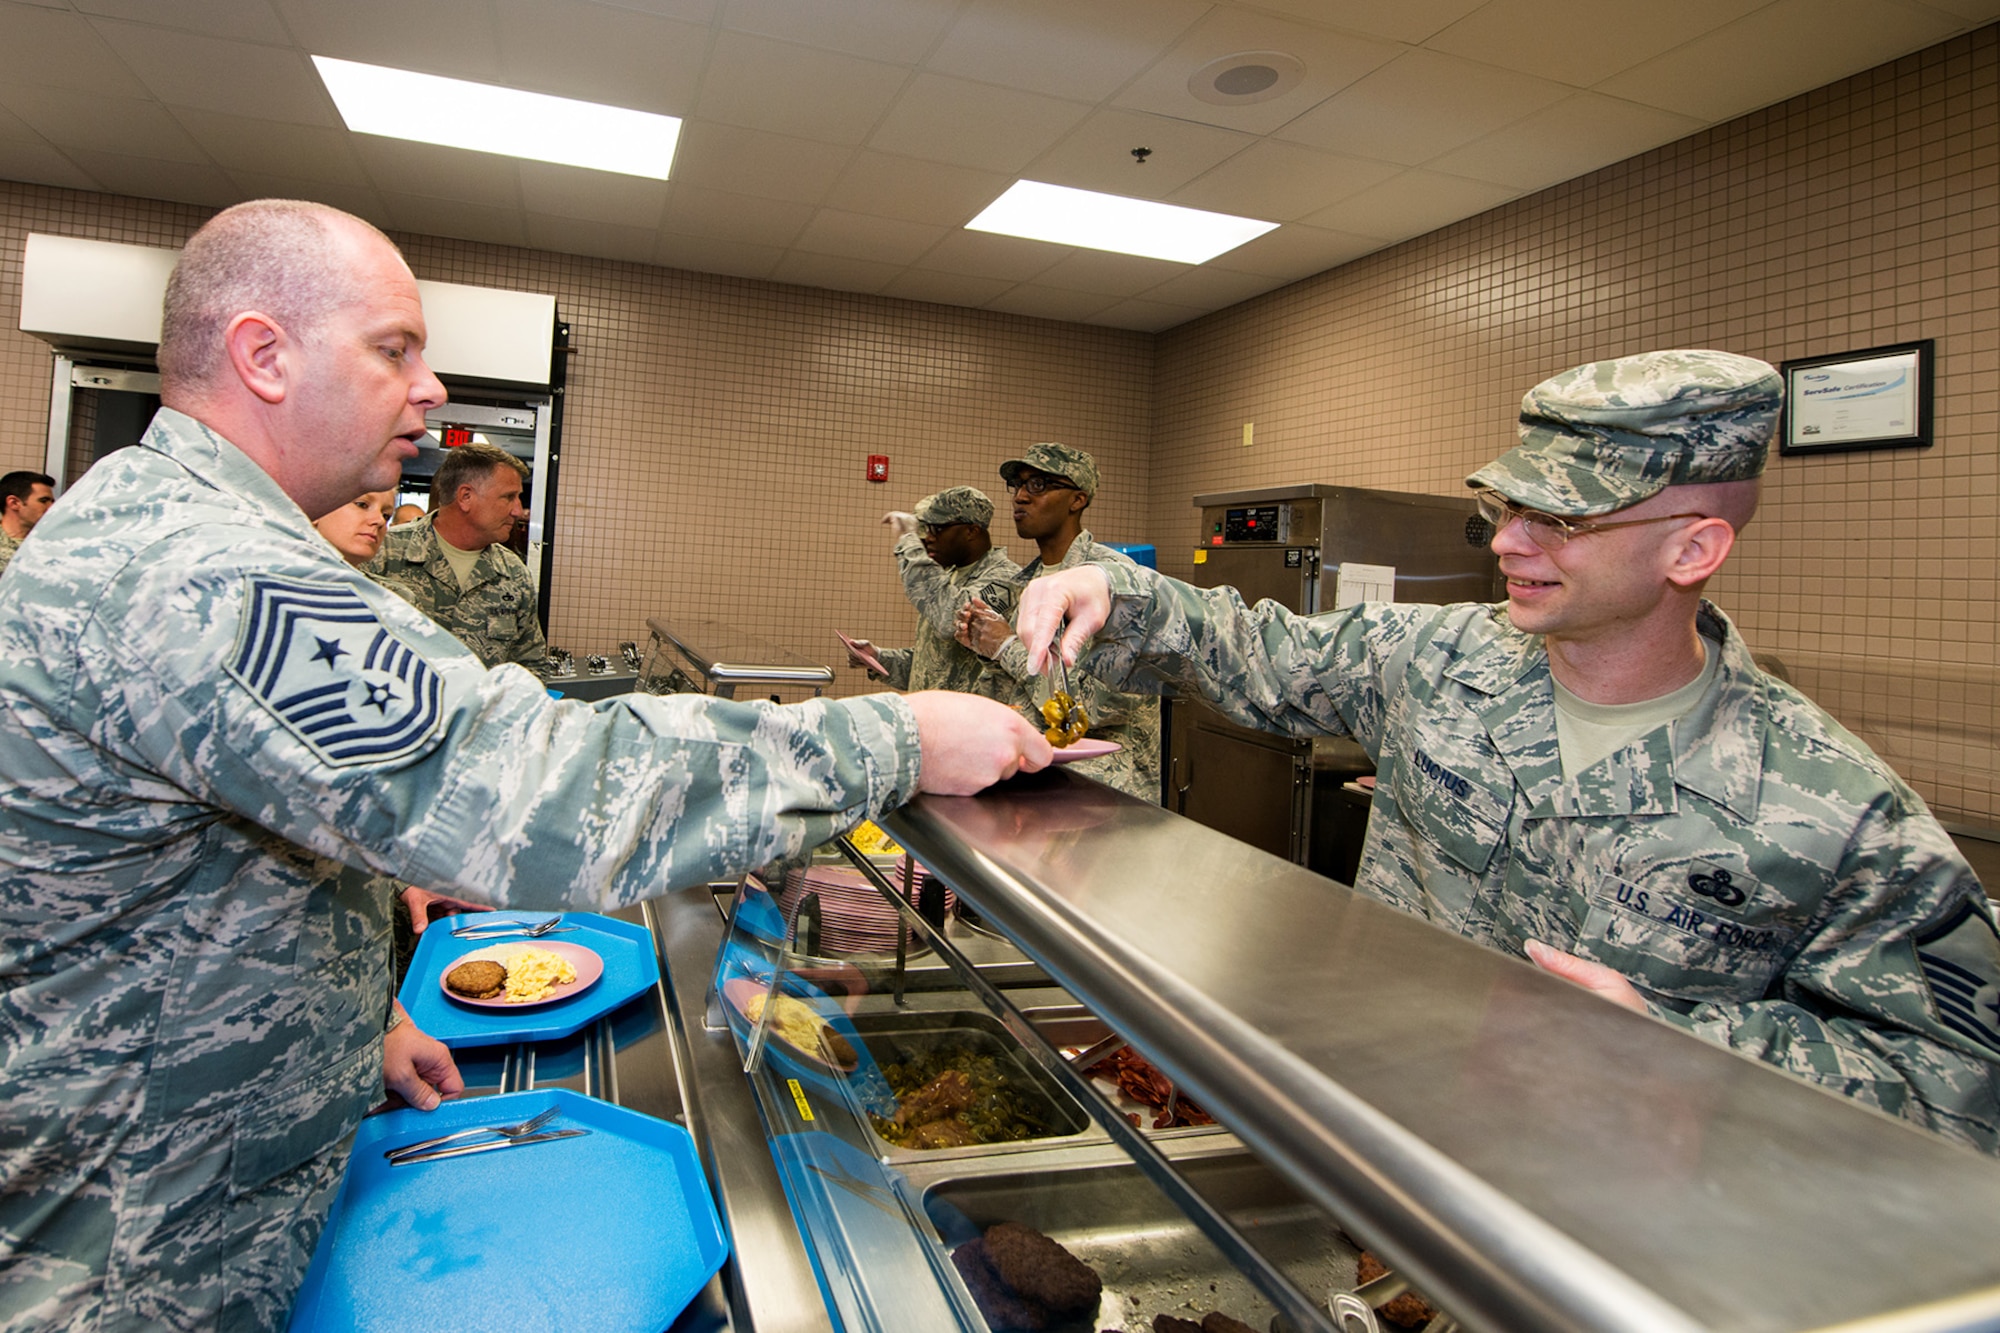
(461, 562)
(1588, 732)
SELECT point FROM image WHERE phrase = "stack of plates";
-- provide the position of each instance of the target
(853, 918)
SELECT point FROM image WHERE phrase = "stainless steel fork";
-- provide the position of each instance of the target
(502, 1131)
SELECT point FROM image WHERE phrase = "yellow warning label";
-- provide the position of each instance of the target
(799, 1099)
(1200, 556)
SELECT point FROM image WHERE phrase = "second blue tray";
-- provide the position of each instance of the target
(631, 967)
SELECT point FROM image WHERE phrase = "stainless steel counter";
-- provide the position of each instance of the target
(1534, 1157)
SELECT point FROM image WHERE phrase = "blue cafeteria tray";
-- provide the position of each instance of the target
(631, 967)
(523, 1238)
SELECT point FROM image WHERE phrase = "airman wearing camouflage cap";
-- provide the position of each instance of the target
(955, 504)
(1056, 460)
(1596, 775)
(1610, 434)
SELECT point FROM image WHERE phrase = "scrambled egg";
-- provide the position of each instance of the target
(533, 973)
(872, 841)
(798, 1026)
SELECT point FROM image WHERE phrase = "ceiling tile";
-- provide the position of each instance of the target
(917, 284)
(597, 240)
(1282, 182)
(1097, 155)
(981, 254)
(397, 166)
(1145, 316)
(1543, 37)
(125, 125)
(13, 127)
(602, 196)
(705, 254)
(1111, 275)
(1726, 73)
(451, 217)
(1412, 204)
(1575, 136)
(720, 215)
(37, 163)
(152, 178)
(451, 37)
(915, 191)
(1294, 251)
(858, 236)
(306, 152)
(599, 54)
(1332, 61)
(1411, 21)
(900, 31)
(360, 200)
(1420, 105)
(1975, 11)
(60, 50)
(834, 273)
(767, 85)
(1062, 48)
(1211, 288)
(1050, 303)
(688, 11)
(186, 69)
(242, 20)
(973, 124)
(752, 163)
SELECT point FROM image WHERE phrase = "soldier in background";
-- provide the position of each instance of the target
(214, 729)
(1596, 775)
(455, 566)
(26, 496)
(947, 559)
(1052, 485)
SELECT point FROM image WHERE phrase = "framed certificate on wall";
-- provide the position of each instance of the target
(1876, 399)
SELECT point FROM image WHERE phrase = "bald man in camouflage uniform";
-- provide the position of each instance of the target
(1596, 775)
(455, 566)
(1052, 485)
(215, 726)
(947, 559)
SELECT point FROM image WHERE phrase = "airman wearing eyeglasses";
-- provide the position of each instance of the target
(1595, 775)
(947, 559)
(1052, 485)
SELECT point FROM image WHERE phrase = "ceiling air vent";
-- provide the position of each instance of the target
(1246, 77)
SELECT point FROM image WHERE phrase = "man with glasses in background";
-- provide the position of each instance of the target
(1595, 775)
(1051, 486)
(947, 559)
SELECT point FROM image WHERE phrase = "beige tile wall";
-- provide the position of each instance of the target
(717, 427)
(1862, 214)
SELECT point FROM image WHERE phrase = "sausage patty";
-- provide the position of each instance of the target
(480, 979)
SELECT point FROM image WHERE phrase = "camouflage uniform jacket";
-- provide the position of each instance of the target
(495, 617)
(1758, 873)
(938, 661)
(213, 726)
(8, 545)
(1132, 720)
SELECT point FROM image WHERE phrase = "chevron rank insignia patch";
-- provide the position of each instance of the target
(321, 661)
(1957, 959)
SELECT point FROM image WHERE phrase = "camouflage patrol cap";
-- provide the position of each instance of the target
(959, 504)
(1058, 460)
(1610, 434)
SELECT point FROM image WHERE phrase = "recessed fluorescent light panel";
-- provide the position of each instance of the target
(399, 104)
(1112, 222)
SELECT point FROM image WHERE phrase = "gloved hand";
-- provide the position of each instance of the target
(899, 523)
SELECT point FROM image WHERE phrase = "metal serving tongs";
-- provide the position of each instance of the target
(1070, 718)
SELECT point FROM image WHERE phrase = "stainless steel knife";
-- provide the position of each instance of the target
(467, 1150)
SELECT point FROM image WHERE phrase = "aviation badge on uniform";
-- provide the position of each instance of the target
(1959, 961)
(320, 660)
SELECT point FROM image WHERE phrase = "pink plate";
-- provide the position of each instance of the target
(872, 662)
(1088, 748)
(740, 991)
(589, 967)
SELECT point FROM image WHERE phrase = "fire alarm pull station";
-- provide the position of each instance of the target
(878, 467)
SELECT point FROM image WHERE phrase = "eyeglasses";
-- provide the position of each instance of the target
(933, 529)
(1036, 483)
(1546, 530)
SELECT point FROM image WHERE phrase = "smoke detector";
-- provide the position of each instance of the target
(1246, 77)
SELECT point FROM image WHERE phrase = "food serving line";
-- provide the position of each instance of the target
(1526, 1154)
